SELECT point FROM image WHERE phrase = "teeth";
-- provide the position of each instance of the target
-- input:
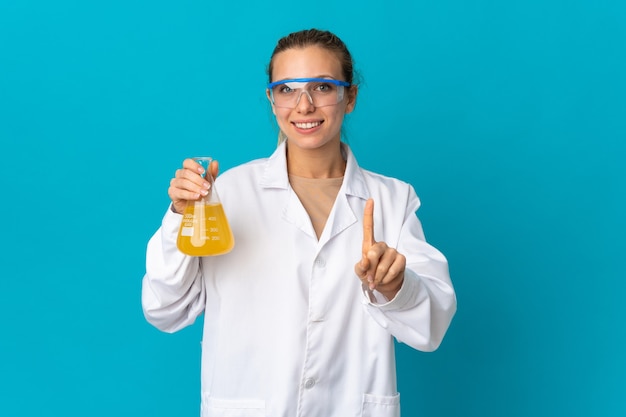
(308, 125)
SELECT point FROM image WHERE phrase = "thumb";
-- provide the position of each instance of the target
(214, 168)
(364, 263)
(361, 268)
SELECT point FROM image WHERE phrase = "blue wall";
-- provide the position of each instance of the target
(508, 117)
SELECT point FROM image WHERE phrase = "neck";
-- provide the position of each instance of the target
(316, 163)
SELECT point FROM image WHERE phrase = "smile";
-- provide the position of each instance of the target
(307, 125)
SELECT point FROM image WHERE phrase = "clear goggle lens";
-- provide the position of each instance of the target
(319, 91)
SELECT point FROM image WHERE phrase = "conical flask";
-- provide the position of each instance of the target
(204, 230)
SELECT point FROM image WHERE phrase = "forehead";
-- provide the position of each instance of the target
(311, 61)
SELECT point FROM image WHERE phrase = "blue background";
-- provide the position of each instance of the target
(509, 118)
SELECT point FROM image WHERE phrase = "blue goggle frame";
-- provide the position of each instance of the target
(306, 80)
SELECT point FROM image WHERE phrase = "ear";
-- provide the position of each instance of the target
(269, 98)
(351, 98)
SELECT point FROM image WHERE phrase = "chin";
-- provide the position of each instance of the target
(311, 142)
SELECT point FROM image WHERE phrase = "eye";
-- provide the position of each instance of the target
(324, 87)
(284, 89)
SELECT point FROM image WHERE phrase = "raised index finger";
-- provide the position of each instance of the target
(368, 225)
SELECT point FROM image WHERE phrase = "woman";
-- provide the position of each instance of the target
(300, 316)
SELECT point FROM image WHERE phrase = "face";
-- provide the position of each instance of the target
(307, 126)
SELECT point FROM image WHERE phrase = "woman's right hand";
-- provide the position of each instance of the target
(189, 184)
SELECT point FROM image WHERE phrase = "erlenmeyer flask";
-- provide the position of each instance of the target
(204, 230)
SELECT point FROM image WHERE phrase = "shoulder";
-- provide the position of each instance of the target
(390, 191)
(376, 178)
(241, 172)
(373, 181)
(380, 181)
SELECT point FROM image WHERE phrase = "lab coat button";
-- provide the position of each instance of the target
(309, 383)
(320, 262)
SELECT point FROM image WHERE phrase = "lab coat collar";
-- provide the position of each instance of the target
(275, 174)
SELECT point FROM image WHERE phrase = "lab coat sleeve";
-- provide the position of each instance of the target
(420, 313)
(173, 292)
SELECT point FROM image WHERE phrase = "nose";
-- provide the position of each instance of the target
(305, 106)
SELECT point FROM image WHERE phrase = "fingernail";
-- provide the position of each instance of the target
(204, 192)
(206, 185)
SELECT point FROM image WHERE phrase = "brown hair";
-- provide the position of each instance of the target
(322, 38)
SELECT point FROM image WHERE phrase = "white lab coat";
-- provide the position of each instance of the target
(288, 328)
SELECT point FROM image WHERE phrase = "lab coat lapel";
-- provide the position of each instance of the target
(295, 213)
(343, 215)
(275, 176)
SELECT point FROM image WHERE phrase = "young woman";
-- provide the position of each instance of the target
(330, 262)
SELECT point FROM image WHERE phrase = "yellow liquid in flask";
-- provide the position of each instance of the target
(205, 230)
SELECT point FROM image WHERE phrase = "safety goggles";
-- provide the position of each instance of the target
(320, 91)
